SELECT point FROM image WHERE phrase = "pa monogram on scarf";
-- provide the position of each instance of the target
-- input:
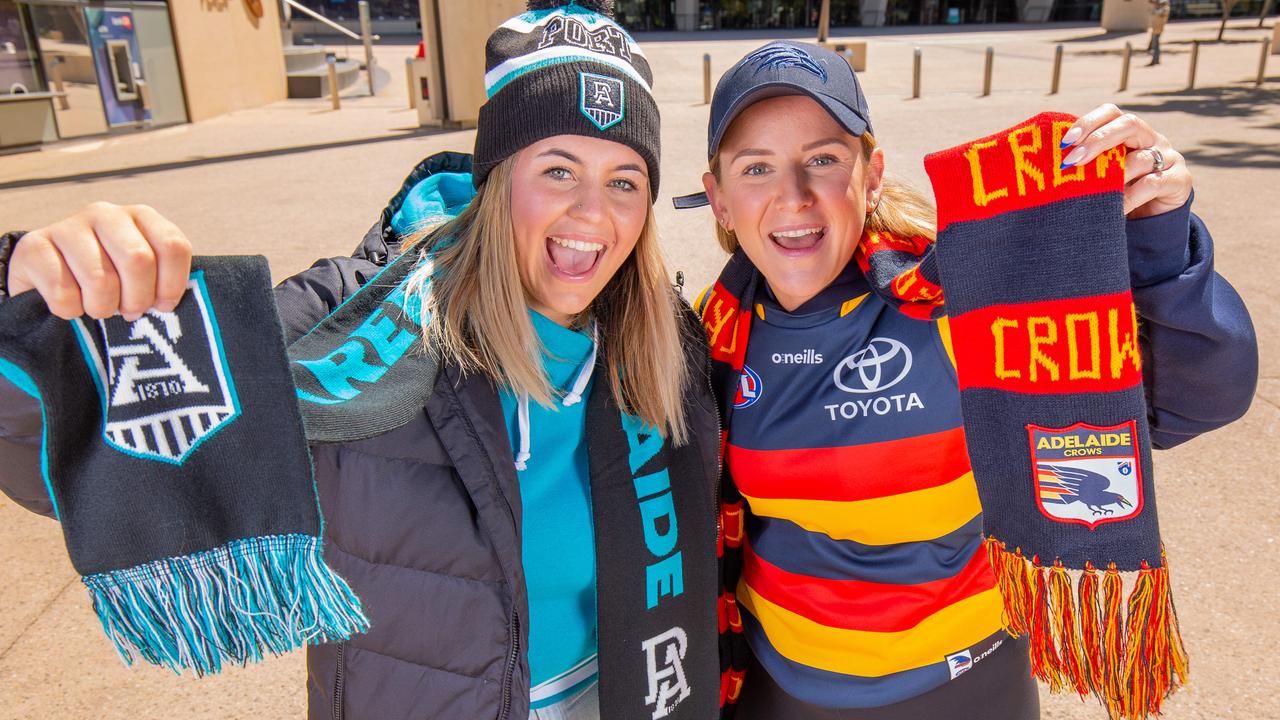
(175, 460)
(1033, 262)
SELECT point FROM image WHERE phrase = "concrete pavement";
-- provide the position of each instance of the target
(295, 181)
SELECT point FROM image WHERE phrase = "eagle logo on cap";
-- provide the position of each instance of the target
(776, 57)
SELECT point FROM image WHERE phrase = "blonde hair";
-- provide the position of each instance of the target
(902, 210)
(475, 311)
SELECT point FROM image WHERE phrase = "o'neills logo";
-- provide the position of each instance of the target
(808, 356)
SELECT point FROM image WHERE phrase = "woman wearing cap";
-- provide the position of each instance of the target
(854, 566)
(571, 398)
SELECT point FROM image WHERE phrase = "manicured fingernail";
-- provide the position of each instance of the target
(1071, 137)
(1073, 157)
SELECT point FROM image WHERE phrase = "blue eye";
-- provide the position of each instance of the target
(558, 173)
(756, 169)
(623, 184)
(824, 160)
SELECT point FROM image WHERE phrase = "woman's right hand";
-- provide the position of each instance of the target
(105, 259)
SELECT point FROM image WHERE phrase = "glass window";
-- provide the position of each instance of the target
(63, 36)
(19, 68)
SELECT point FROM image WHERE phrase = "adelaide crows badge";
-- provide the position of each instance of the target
(601, 99)
(1087, 474)
(163, 378)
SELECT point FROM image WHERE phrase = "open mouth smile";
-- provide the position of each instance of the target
(573, 259)
(799, 240)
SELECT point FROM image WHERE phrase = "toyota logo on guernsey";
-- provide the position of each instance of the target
(749, 389)
(883, 363)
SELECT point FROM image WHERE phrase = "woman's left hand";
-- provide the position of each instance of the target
(1151, 187)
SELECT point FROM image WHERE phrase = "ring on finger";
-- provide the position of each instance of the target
(1157, 160)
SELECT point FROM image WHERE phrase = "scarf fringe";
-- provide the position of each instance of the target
(232, 604)
(1131, 660)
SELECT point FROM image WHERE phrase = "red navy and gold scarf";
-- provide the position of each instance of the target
(1033, 261)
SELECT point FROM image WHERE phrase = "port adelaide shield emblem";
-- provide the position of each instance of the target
(163, 378)
(601, 99)
(1087, 474)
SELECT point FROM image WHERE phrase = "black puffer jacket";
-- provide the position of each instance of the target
(424, 522)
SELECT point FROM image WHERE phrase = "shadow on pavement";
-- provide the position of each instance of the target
(1237, 101)
(217, 159)
(1223, 153)
(1101, 37)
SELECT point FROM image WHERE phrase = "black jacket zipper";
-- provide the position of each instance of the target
(512, 659)
(338, 689)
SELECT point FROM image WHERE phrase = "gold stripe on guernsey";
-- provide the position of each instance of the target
(760, 310)
(944, 331)
(697, 302)
(850, 305)
(865, 653)
(915, 516)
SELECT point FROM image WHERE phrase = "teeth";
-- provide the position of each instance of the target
(798, 233)
(579, 245)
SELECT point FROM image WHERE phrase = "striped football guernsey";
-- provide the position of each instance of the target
(864, 580)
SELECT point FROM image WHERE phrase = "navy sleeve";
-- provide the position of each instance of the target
(1200, 354)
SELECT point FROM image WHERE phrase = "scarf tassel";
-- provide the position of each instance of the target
(1088, 638)
(231, 604)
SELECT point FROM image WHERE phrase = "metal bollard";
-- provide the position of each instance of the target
(1124, 67)
(986, 74)
(332, 61)
(366, 38)
(915, 74)
(706, 79)
(1195, 58)
(1057, 70)
(1262, 62)
(408, 79)
(55, 71)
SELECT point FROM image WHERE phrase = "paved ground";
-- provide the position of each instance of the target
(295, 181)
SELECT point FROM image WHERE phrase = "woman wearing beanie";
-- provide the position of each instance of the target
(856, 583)
(571, 399)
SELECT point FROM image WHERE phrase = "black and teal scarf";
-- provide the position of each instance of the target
(176, 462)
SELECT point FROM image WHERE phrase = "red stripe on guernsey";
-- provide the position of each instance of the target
(727, 325)
(852, 472)
(862, 605)
(1016, 169)
(1059, 346)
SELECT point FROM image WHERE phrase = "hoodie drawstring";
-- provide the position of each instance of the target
(572, 398)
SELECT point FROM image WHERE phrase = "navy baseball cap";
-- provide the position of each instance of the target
(785, 67)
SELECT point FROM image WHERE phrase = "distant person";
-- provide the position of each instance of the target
(854, 535)
(1159, 16)
(539, 540)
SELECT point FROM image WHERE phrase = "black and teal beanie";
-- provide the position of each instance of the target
(565, 69)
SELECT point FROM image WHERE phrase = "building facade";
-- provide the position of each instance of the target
(75, 68)
(658, 15)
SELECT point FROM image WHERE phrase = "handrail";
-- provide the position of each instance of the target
(299, 6)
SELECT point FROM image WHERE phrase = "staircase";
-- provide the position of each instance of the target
(308, 73)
